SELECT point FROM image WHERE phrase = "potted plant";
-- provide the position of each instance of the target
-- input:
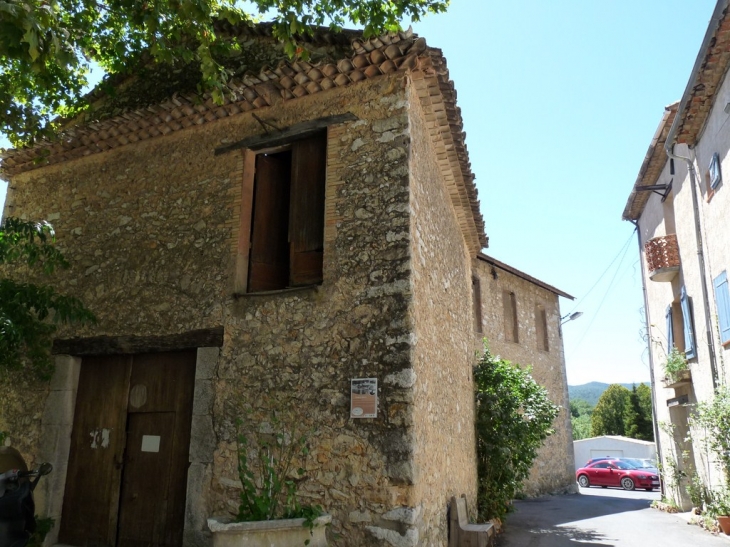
(269, 512)
(719, 508)
(676, 368)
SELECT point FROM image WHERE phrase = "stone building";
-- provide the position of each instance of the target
(680, 207)
(250, 258)
(519, 316)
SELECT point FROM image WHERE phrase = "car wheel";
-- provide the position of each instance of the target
(583, 481)
(627, 483)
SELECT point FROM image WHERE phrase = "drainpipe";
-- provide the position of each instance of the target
(654, 421)
(700, 252)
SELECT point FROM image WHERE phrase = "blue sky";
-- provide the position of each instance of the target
(560, 101)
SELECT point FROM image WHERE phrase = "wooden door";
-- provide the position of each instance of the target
(143, 513)
(137, 495)
(90, 504)
(152, 507)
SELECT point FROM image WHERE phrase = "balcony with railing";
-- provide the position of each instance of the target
(662, 257)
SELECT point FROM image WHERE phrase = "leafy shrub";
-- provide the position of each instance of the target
(269, 478)
(513, 417)
(712, 419)
(675, 364)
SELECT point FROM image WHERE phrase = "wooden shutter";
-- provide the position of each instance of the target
(306, 211)
(722, 299)
(269, 260)
(670, 328)
(689, 336)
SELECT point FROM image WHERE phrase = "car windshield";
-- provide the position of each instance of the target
(633, 462)
(623, 465)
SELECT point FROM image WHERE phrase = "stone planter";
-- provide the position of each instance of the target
(282, 533)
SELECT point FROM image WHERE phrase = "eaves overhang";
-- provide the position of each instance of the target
(514, 271)
(651, 168)
(708, 73)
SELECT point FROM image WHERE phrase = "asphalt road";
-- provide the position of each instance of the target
(601, 518)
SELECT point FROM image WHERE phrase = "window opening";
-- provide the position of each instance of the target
(286, 235)
(685, 303)
(509, 304)
(541, 328)
(477, 305)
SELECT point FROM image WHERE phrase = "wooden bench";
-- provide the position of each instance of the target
(463, 534)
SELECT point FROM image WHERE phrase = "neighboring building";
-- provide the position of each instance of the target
(520, 318)
(611, 446)
(681, 215)
(318, 227)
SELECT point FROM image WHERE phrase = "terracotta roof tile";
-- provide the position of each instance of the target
(289, 80)
(714, 61)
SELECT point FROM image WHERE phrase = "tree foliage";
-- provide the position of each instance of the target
(30, 313)
(638, 414)
(608, 416)
(580, 418)
(47, 46)
(513, 417)
(624, 412)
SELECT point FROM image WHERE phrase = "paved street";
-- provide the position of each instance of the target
(600, 517)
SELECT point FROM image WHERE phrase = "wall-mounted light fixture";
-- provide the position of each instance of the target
(570, 317)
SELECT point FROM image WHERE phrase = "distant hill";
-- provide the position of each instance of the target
(591, 391)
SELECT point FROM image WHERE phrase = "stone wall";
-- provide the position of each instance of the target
(443, 357)
(151, 229)
(553, 469)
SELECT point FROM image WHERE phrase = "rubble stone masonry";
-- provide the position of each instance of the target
(553, 469)
(150, 230)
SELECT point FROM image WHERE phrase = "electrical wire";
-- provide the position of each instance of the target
(622, 254)
(622, 251)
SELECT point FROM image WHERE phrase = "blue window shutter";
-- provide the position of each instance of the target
(689, 335)
(722, 299)
(670, 329)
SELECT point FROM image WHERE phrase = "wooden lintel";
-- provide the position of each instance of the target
(296, 131)
(115, 345)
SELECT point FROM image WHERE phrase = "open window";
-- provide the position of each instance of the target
(680, 326)
(282, 235)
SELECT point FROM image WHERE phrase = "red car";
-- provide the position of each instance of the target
(616, 473)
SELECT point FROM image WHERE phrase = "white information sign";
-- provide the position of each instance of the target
(150, 443)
